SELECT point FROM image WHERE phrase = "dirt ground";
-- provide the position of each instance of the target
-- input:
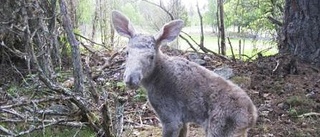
(286, 92)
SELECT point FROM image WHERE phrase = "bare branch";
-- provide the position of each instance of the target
(48, 99)
(161, 7)
(33, 128)
(6, 131)
(201, 25)
(309, 114)
(233, 57)
(275, 21)
(88, 39)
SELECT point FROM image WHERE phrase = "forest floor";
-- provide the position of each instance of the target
(285, 91)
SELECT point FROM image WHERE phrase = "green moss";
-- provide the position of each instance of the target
(242, 81)
(294, 101)
(62, 132)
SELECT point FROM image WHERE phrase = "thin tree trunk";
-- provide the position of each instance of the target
(76, 60)
(112, 33)
(54, 37)
(201, 44)
(239, 33)
(94, 22)
(222, 31)
(218, 26)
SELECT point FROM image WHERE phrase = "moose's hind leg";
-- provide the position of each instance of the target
(184, 131)
(221, 127)
(172, 129)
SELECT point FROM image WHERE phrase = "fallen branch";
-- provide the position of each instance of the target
(309, 114)
(6, 131)
(48, 99)
(259, 53)
(64, 122)
(32, 128)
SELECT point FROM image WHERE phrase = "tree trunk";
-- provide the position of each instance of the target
(300, 32)
(76, 59)
(94, 22)
(221, 28)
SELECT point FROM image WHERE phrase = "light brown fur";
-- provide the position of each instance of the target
(181, 91)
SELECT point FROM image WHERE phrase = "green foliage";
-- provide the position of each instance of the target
(141, 95)
(252, 14)
(298, 105)
(210, 16)
(121, 86)
(66, 47)
(296, 101)
(292, 112)
(130, 10)
(85, 11)
(12, 89)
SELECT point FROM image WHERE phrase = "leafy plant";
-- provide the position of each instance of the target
(120, 85)
(141, 95)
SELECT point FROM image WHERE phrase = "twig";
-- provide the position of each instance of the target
(65, 122)
(275, 21)
(14, 67)
(88, 39)
(191, 46)
(32, 128)
(250, 58)
(78, 131)
(233, 57)
(13, 112)
(86, 47)
(49, 99)
(108, 62)
(204, 49)
(6, 131)
(165, 10)
(309, 114)
(78, 101)
(278, 62)
(172, 18)
(190, 37)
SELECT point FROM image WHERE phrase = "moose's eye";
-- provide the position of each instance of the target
(127, 53)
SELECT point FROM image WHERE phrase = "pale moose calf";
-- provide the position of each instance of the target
(181, 91)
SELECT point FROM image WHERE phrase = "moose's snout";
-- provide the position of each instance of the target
(132, 80)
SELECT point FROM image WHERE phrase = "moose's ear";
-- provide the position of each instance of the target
(169, 31)
(122, 24)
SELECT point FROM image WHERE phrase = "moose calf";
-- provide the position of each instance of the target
(181, 91)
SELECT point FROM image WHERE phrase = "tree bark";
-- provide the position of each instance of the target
(221, 28)
(76, 60)
(300, 32)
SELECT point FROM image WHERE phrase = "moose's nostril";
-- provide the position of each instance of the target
(133, 80)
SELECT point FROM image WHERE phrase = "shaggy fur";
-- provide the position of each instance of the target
(181, 91)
